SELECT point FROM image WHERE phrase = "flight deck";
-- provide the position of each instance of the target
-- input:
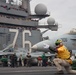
(49, 70)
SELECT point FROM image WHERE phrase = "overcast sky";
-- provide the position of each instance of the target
(63, 11)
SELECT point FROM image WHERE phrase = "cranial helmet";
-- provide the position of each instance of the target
(58, 41)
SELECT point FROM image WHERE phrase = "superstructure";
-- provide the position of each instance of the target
(18, 26)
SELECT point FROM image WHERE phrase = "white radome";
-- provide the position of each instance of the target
(56, 23)
(51, 21)
(40, 9)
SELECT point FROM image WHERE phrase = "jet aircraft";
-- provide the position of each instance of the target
(69, 40)
(9, 50)
(21, 51)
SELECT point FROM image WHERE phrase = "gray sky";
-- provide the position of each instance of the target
(63, 11)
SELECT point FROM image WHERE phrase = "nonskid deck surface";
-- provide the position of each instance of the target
(26, 69)
(30, 71)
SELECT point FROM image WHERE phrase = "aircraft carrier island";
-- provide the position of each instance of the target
(21, 28)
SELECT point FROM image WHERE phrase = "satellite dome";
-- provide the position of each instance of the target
(40, 9)
(56, 23)
(51, 21)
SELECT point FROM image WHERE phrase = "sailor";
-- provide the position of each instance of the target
(63, 57)
(44, 59)
(28, 57)
(39, 61)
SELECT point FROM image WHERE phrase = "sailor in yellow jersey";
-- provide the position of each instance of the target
(63, 58)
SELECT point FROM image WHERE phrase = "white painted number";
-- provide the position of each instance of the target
(24, 41)
(16, 36)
